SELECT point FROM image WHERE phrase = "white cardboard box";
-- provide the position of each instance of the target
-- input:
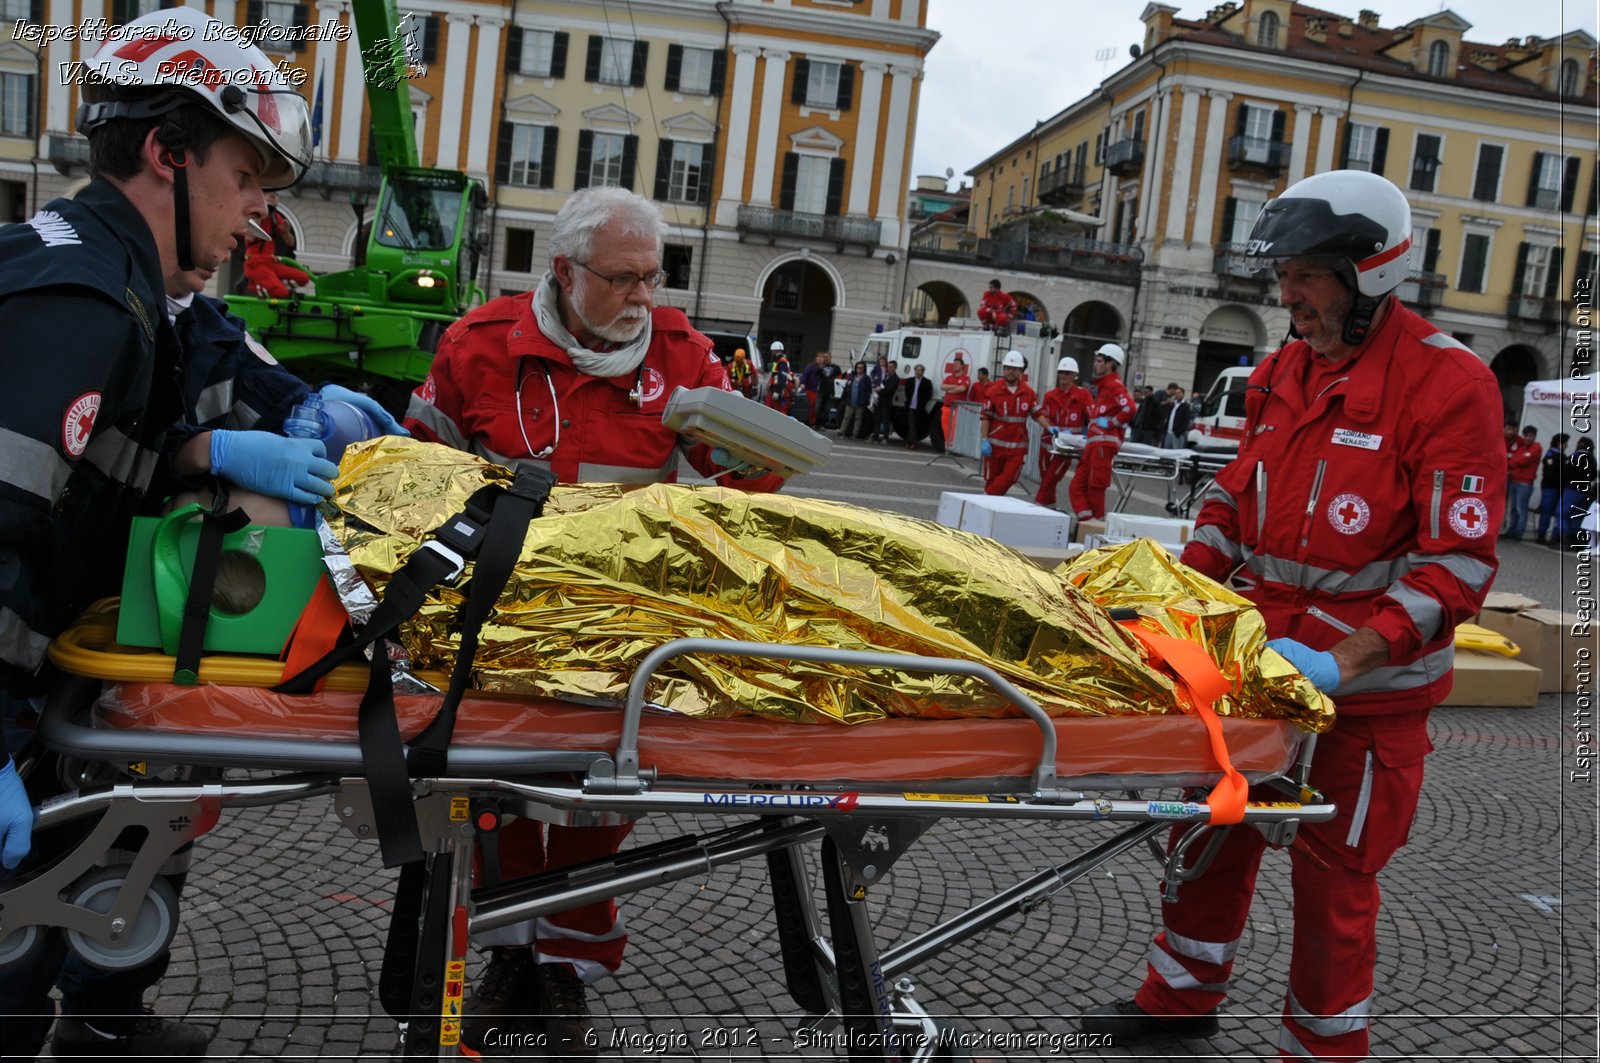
(1012, 521)
(1126, 526)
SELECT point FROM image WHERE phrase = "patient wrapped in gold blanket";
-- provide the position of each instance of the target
(609, 573)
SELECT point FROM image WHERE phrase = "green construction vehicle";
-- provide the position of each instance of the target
(379, 323)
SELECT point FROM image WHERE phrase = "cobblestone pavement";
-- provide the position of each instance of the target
(1487, 940)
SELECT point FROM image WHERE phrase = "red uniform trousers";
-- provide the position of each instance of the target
(1053, 467)
(265, 275)
(1087, 492)
(591, 937)
(1003, 466)
(1371, 768)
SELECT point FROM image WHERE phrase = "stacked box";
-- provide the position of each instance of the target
(1013, 521)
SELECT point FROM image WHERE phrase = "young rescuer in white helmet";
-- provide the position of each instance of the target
(184, 132)
(1359, 518)
(1004, 423)
(1108, 414)
(1064, 408)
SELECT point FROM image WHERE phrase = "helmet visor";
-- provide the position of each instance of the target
(278, 120)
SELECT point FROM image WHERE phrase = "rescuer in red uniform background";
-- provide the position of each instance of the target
(1005, 425)
(1109, 414)
(1360, 516)
(996, 308)
(1064, 408)
(264, 274)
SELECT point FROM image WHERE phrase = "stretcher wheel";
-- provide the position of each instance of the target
(153, 926)
(15, 946)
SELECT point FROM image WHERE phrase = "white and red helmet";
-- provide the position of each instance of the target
(1067, 364)
(204, 60)
(1358, 220)
(1013, 360)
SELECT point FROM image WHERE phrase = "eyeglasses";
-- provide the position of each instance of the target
(622, 283)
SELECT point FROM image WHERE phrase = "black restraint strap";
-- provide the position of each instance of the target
(215, 524)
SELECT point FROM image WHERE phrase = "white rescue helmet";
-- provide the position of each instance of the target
(1067, 365)
(777, 345)
(1357, 218)
(1013, 360)
(200, 59)
(1113, 352)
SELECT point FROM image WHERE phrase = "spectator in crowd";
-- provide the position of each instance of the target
(1522, 466)
(857, 404)
(920, 397)
(1176, 415)
(1552, 476)
(889, 385)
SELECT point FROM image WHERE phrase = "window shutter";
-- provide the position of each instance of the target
(1230, 207)
(1569, 184)
(1430, 252)
(791, 174)
(252, 11)
(1594, 198)
(802, 78)
(502, 155)
(1586, 267)
(558, 56)
(847, 86)
(1533, 178)
(719, 72)
(1522, 265)
(1472, 259)
(36, 11)
(674, 68)
(835, 188)
(641, 56)
(547, 162)
(1344, 152)
(1552, 281)
(430, 39)
(1488, 176)
(1277, 126)
(663, 167)
(514, 49)
(302, 16)
(591, 65)
(1241, 120)
(705, 173)
(1380, 150)
(630, 159)
(580, 176)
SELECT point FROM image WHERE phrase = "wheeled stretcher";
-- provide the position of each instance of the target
(863, 794)
(1187, 473)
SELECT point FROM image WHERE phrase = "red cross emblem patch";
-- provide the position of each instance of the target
(77, 424)
(1469, 517)
(1349, 514)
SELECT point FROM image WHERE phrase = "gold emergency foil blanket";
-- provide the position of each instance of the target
(609, 573)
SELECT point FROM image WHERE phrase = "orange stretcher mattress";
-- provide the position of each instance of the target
(1172, 749)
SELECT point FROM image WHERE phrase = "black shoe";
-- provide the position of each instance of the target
(1128, 1024)
(503, 997)
(566, 1014)
(129, 1035)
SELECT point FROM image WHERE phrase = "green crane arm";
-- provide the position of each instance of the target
(383, 59)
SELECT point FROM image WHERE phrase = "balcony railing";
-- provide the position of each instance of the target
(1534, 308)
(1125, 157)
(1422, 291)
(1546, 198)
(1258, 151)
(1058, 186)
(67, 151)
(769, 221)
(1231, 261)
(1069, 256)
(325, 177)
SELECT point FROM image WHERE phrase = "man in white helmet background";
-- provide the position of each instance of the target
(1360, 518)
(1004, 425)
(181, 147)
(1064, 408)
(1109, 415)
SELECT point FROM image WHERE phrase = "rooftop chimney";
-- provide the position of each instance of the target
(1317, 29)
(1346, 28)
(1368, 19)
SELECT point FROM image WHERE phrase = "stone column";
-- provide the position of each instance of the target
(1178, 207)
(453, 107)
(1155, 161)
(1205, 199)
(326, 67)
(891, 183)
(738, 133)
(485, 76)
(352, 144)
(1303, 113)
(1326, 138)
(767, 128)
(865, 146)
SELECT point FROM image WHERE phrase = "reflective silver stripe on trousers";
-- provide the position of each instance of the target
(1003, 443)
(1173, 973)
(1355, 1017)
(121, 459)
(1289, 1045)
(214, 401)
(20, 644)
(1358, 819)
(1218, 952)
(1008, 420)
(437, 423)
(33, 466)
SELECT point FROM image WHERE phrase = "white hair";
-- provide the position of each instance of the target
(589, 210)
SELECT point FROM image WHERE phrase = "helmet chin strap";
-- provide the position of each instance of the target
(172, 136)
(1358, 322)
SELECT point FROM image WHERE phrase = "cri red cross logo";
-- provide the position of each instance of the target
(1469, 517)
(1349, 514)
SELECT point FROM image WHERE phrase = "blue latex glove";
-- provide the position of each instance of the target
(297, 470)
(368, 405)
(1102, 422)
(986, 449)
(16, 818)
(1054, 431)
(1316, 665)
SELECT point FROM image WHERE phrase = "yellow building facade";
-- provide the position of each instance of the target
(1176, 153)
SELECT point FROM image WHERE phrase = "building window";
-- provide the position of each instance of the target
(694, 73)
(605, 160)
(11, 11)
(822, 86)
(1474, 262)
(678, 261)
(1256, 127)
(686, 171)
(1365, 147)
(538, 58)
(1100, 148)
(1424, 256)
(616, 62)
(16, 105)
(519, 250)
(1535, 278)
(1025, 200)
(1569, 77)
(1544, 192)
(124, 11)
(1439, 59)
(811, 185)
(1486, 182)
(527, 154)
(1267, 30)
(1238, 218)
(1425, 163)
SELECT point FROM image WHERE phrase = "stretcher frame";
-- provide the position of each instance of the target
(1193, 469)
(861, 832)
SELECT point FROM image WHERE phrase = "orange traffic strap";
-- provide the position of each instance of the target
(1205, 683)
(316, 632)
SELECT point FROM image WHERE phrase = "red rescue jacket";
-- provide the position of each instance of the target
(1067, 409)
(1008, 412)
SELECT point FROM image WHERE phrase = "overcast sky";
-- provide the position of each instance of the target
(1002, 65)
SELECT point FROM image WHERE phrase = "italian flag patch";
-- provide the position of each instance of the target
(1471, 484)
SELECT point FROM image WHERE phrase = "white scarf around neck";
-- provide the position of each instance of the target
(624, 359)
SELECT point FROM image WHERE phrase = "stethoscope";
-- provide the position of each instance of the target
(635, 396)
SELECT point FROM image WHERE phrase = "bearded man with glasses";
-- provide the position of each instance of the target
(572, 379)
